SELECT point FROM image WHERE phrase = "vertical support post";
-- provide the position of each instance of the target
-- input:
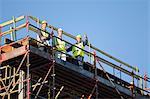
(137, 73)
(95, 75)
(113, 71)
(28, 78)
(28, 75)
(10, 69)
(11, 34)
(27, 25)
(49, 90)
(14, 26)
(141, 84)
(53, 75)
(145, 84)
(9, 96)
(21, 84)
(132, 89)
(6, 73)
(120, 70)
(38, 25)
(145, 80)
(14, 72)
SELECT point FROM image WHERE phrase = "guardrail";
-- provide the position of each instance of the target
(33, 28)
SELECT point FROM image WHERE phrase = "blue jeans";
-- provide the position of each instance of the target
(79, 60)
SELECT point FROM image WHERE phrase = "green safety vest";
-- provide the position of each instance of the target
(76, 51)
(61, 45)
(44, 33)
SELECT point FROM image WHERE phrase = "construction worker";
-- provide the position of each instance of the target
(43, 36)
(78, 50)
(60, 45)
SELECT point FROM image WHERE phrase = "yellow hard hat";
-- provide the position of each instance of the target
(79, 36)
(44, 22)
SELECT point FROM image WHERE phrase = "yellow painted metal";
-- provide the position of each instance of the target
(6, 93)
(33, 29)
(62, 87)
(9, 77)
(14, 26)
(11, 21)
(11, 34)
(17, 28)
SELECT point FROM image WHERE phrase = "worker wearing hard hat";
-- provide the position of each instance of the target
(43, 36)
(60, 45)
(78, 49)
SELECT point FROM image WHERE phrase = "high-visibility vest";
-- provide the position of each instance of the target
(61, 45)
(77, 51)
(44, 33)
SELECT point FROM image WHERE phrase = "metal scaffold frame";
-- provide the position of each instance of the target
(9, 89)
(18, 78)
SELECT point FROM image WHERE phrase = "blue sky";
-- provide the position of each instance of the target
(118, 27)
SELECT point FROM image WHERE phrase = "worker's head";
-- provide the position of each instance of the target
(78, 38)
(44, 24)
(60, 32)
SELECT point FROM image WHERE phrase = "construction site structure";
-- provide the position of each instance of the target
(26, 72)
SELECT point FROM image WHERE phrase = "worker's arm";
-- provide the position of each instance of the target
(69, 49)
(50, 35)
(55, 43)
(39, 33)
(85, 42)
(42, 38)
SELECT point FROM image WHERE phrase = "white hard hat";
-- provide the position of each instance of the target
(59, 29)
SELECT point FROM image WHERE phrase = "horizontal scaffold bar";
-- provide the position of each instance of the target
(93, 47)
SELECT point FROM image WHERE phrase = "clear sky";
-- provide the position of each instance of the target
(118, 27)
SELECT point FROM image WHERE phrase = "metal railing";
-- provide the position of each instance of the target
(33, 28)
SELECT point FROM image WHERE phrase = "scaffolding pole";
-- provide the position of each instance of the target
(15, 74)
(96, 80)
(114, 86)
(44, 81)
(28, 77)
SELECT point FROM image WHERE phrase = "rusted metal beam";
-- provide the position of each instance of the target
(12, 54)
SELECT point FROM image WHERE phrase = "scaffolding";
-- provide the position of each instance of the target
(29, 73)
